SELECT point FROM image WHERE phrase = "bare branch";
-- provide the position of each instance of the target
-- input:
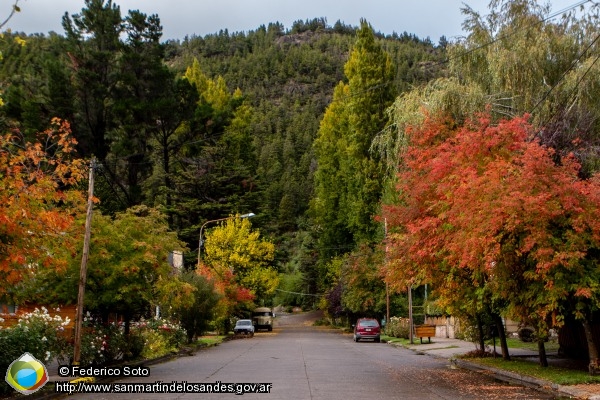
(15, 8)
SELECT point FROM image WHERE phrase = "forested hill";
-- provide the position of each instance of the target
(289, 76)
(303, 62)
(238, 139)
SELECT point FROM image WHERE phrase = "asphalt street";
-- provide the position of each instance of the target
(300, 361)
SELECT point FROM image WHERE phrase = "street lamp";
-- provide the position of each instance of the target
(201, 242)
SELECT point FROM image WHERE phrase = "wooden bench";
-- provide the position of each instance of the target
(427, 331)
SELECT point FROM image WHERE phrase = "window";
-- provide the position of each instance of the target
(369, 323)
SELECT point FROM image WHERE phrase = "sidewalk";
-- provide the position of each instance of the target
(452, 348)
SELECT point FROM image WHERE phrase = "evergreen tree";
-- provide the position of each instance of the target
(93, 45)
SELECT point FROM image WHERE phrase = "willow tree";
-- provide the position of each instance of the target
(527, 61)
(520, 58)
(517, 60)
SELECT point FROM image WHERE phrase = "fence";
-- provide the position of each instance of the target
(10, 319)
(445, 326)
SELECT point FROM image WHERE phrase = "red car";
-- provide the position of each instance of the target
(367, 328)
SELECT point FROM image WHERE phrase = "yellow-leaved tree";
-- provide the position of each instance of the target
(235, 248)
(241, 265)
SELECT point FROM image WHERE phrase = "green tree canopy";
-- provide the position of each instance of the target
(128, 268)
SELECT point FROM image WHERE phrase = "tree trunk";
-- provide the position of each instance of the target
(167, 180)
(542, 353)
(127, 324)
(502, 335)
(594, 367)
(481, 334)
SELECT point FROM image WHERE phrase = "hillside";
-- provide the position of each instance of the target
(219, 161)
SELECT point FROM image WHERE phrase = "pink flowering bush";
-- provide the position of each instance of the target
(160, 337)
(101, 343)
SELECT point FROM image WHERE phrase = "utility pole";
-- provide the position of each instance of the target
(387, 285)
(83, 269)
(410, 315)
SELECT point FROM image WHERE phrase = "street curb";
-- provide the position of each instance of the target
(512, 377)
(525, 380)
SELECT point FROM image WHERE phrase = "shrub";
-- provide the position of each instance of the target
(172, 331)
(398, 327)
(322, 322)
(101, 344)
(160, 337)
(135, 346)
(195, 319)
(526, 334)
(155, 344)
(36, 333)
(468, 332)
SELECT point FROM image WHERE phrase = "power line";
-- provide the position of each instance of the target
(301, 294)
(506, 36)
(491, 42)
(573, 64)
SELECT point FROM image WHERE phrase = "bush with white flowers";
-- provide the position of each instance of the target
(37, 333)
(398, 327)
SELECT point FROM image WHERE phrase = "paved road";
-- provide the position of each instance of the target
(303, 362)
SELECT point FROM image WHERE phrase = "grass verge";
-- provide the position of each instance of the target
(391, 339)
(516, 343)
(558, 375)
(211, 340)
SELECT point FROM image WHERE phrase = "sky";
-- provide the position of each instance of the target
(424, 18)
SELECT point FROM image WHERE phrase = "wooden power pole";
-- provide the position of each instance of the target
(387, 286)
(410, 315)
(83, 269)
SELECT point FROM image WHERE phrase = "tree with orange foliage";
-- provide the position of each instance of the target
(38, 203)
(490, 217)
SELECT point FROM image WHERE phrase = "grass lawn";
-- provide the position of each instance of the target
(210, 340)
(554, 374)
(516, 343)
(561, 376)
(391, 339)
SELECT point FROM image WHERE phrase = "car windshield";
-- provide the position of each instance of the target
(370, 323)
(262, 314)
(243, 323)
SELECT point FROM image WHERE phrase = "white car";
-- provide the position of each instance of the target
(244, 326)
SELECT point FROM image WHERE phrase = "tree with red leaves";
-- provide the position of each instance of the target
(38, 203)
(487, 215)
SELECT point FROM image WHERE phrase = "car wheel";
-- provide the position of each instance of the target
(356, 339)
(377, 340)
(270, 328)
